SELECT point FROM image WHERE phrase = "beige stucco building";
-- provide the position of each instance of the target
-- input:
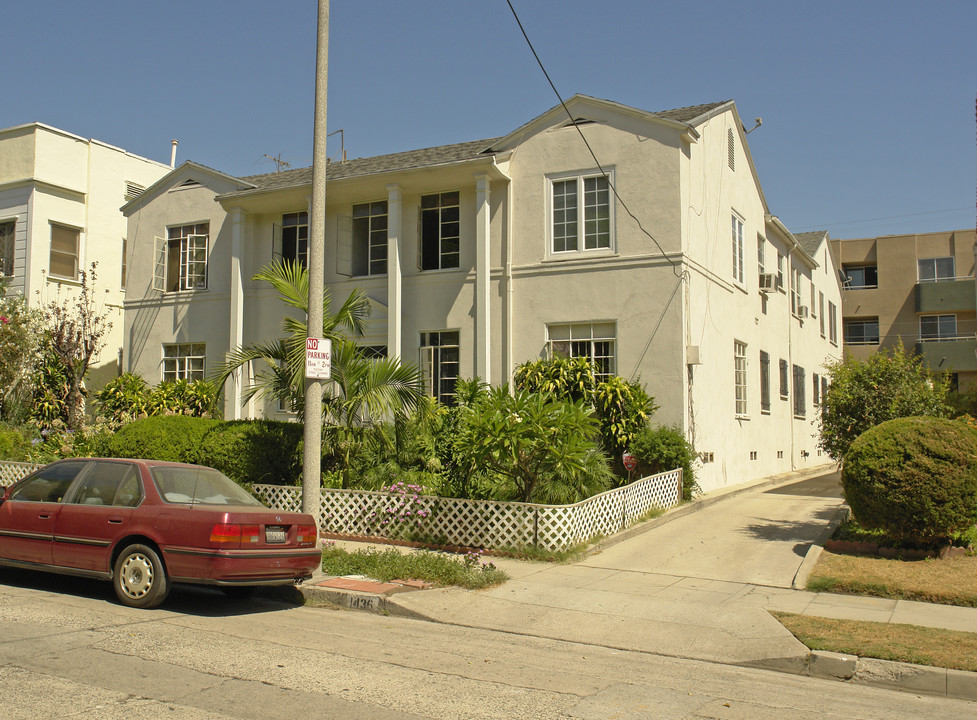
(60, 200)
(653, 252)
(917, 290)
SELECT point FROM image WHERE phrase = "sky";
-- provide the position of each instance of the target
(868, 106)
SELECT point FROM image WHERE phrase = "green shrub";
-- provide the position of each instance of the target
(915, 478)
(254, 451)
(174, 438)
(661, 449)
(123, 398)
(13, 444)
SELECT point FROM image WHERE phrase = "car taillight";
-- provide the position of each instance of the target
(306, 534)
(250, 534)
(226, 534)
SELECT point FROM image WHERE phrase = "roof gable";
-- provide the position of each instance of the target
(189, 173)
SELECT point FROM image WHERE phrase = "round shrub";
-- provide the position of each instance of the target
(254, 451)
(915, 478)
(661, 449)
(174, 438)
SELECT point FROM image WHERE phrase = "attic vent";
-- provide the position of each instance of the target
(133, 190)
(731, 148)
(579, 121)
(189, 183)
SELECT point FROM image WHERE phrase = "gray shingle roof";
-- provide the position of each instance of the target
(690, 113)
(426, 157)
(810, 241)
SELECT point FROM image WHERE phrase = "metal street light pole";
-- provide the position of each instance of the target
(311, 472)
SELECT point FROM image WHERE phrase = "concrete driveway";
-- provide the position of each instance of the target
(758, 537)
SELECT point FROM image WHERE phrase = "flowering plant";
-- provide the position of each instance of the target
(404, 512)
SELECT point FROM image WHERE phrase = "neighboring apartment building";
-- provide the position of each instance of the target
(480, 256)
(60, 200)
(918, 290)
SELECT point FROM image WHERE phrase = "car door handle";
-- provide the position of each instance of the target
(115, 521)
(44, 516)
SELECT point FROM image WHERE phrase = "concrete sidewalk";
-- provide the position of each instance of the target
(598, 602)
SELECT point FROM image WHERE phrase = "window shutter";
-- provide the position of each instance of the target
(276, 242)
(159, 265)
(344, 245)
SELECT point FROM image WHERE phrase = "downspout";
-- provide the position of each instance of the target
(507, 279)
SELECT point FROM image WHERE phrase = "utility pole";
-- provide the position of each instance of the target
(311, 472)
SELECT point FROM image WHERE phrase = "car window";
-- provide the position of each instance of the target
(49, 484)
(109, 484)
(199, 485)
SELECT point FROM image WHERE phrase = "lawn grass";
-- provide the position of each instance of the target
(433, 567)
(951, 581)
(885, 641)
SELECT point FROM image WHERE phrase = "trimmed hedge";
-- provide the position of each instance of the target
(915, 478)
(255, 451)
(175, 438)
(13, 444)
(661, 449)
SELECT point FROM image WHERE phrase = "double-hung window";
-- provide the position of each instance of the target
(184, 361)
(933, 269)
(64, 251)
(832, 323)
(440, 232)
(581, 214)
(738, 249)
(938, 327)
(370, 238)
(440, 361)
(764, 382)
(739, 377)
(7, 247)
(181, 260)
(799, 382)
(784, 380)
(594, 341)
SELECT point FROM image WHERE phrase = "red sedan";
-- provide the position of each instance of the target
(144, 524)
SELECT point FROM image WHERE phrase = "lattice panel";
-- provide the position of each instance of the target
(484, 523)
(11, 472)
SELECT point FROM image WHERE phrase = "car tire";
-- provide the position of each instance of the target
(139, 577)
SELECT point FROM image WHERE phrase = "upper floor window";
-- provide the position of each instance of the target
(764, 382)
(938, 327)
(860, 276)
(122, 280)
(932, 269)
(370, 238)
(781, 262)
(738, 249)
(184, 361)
(581, 225)
(181, 260)
(795, 291)
(295, 238)
(7, 247)
(64, 251)
(594, 341)
(800, 406)
(862, 332)
(739, 377)
(760, 253)
(439, 245)
(832, 323)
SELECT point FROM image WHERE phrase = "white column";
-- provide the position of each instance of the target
(394, 277)
(483, 329)
(232, 406)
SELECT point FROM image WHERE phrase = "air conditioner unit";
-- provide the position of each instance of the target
(768, 281)
(802, 311)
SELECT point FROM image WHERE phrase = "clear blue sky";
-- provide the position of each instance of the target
(867, 105)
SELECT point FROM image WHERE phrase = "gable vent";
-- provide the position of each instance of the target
(579, 121)
(731, 148)
(189, 183)
(133, 190)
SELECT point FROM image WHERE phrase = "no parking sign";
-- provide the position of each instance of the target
(318, 358)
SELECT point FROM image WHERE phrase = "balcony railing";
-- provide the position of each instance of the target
(957, 294)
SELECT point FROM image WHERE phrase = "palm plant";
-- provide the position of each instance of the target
(282, 374)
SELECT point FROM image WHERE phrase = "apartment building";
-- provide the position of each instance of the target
(917, 290)
(653, 253)
(60, 200)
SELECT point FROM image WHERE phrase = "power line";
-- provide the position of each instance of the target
(603, 172)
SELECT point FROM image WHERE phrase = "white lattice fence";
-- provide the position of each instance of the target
(484, 523)
(11, 472)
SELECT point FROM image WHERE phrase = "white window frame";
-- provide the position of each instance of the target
(740, 381)
(832, 323)
(185, 246)
(436, 370)
(183, 361)
(761, 253)
(447, 259)
(8, 246)
(596, 341)
(781, 262)
(821, 311)
(371, 247)
(75, 257)
(579, 180)
(795, 291)
(297, 223)
(739, 249)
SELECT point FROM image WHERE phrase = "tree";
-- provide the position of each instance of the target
(282, 374)
(540, 448)
(18, 353)
(75, 335)
(866, 393)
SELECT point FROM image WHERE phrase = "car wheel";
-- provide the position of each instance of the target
(139, 579)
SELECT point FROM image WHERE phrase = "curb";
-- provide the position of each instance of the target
(814, 552)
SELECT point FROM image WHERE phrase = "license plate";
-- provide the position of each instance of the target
(275, 535)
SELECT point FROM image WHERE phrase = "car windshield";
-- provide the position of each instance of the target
(199, 485)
